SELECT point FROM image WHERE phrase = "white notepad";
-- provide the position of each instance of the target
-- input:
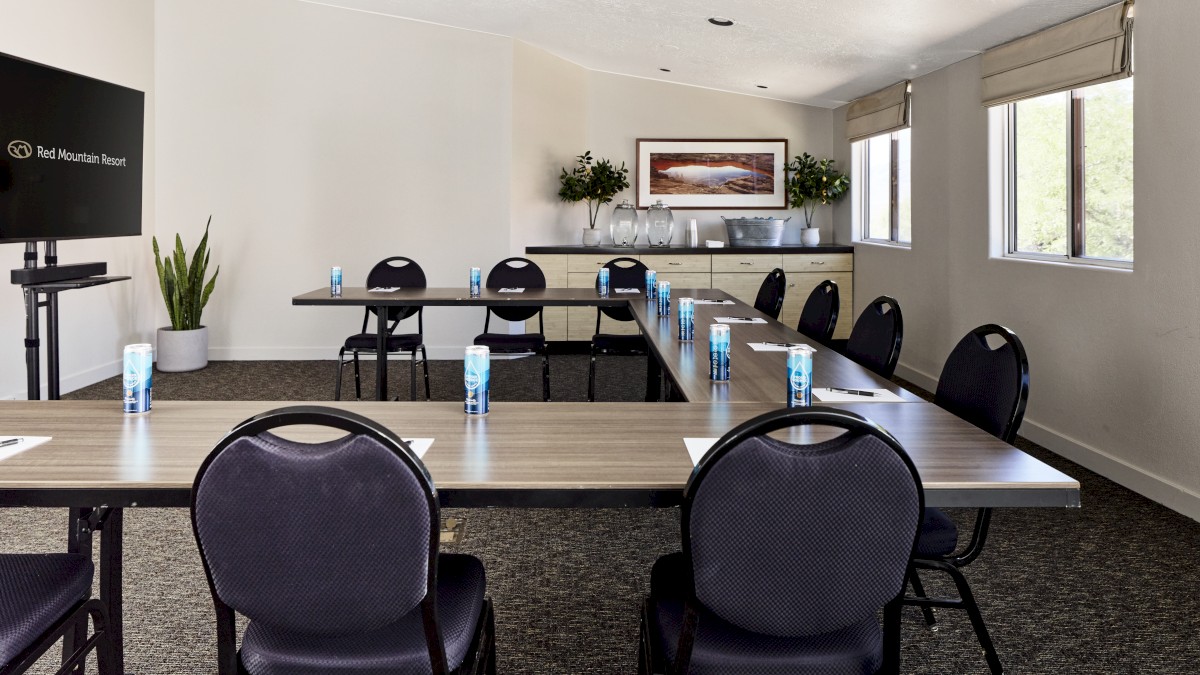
(823, 395)
(26, 443)
(698, 447)
(739, 319)
(384, 289)
(776, 346)
(629, 290)
(712, 302)
(419, 446)
(512, 290)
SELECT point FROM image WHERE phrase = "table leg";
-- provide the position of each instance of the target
(79, 540)
(112, 533)
(653, 378)
(381, 355)
(32, 346)
(52, 375)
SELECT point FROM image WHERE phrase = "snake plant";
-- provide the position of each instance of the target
(183, 286)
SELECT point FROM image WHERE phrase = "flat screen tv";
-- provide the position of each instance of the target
(70, 155)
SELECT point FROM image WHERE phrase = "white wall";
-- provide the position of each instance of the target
(112, 41)
(1115, 356)
(319, 136)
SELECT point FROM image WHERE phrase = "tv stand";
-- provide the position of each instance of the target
(49, 281)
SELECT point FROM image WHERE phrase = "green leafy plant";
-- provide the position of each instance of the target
(183, 286)
(592, 183)
(811, 183)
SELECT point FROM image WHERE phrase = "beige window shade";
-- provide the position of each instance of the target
(1094, 48)
(885, 110)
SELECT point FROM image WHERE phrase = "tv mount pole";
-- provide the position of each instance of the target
(49, 281)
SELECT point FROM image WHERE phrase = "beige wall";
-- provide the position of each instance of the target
(1115, 355)
(112, 41)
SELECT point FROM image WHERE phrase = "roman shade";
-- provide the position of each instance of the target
(885, 110)
(1094, 48)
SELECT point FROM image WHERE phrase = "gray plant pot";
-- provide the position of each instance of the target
(182, 350)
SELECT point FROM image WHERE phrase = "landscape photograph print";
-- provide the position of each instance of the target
(729, 174)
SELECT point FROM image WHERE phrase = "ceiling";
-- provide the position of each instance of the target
(815, 52)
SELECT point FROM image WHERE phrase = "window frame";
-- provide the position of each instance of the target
(1076, 193)
(862, 199)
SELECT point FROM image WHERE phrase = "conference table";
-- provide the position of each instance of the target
(100, 461)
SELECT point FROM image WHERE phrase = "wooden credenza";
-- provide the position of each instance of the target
(737, 271)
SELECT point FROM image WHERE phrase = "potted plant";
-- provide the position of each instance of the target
(595, 184)
(811, 183)
(184, 345)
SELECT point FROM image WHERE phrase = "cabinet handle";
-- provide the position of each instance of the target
(814, 262)
(792, 285)
(745, 263)
(674, 263)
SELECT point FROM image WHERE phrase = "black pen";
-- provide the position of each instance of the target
(782, 344)
(855, 392)
(11, 441)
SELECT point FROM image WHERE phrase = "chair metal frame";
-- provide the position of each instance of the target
(73, 662)
(618, 314)
(394, 315)
(893, 357)
(835, 308)
(777, 278)
(649, 661)
(480, 657)
(520, 313)
(953, 563)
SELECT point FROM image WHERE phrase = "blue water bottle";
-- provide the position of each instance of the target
(664, 298)
(651, 284)
(687, 319)
(718, 352)
(799, 376)
(602, 282)
(137, 380)
(477, 375)
(476, 282)
(335, 282)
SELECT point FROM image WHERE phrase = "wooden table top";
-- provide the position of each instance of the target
(527, 454)
(460, 297)
(754, 376)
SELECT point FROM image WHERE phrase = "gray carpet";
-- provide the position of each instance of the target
(1109, 588)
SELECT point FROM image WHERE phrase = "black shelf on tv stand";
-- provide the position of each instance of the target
(33, 302)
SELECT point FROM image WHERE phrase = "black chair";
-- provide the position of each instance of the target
(877, 336)
(789, 552)
(43, 597)
(400, 272)
(331, 551)
(517, 273)
(988, 388)
(819, 316)
(769, 300)
(622, 273)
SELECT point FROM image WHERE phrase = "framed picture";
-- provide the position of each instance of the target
(711, 174)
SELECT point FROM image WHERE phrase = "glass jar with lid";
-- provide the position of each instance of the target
(660, 224)
(624, 225)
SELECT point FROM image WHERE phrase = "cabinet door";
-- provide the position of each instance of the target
(744, 287)
(799, 285)
(554, 266)
(818, 262)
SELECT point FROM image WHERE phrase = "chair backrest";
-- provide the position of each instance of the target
(515, 273)
(798, 540)
(400, 272)
(770, 294)
(330, 538)
(877, 336)
(984, 386)
(819, 316)
(622, 273)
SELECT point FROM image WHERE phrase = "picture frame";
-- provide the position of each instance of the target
(698, 173)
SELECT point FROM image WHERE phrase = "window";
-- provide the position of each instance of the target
(879, 188)
(1069, 175)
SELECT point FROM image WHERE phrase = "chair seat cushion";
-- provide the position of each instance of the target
(939, 535)
(503, 342)
(626, 344)
(395, 343)
(36, 592)
(721, 647)
(396, 648)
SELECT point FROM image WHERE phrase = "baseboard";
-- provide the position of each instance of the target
(311, 353)
(69, 383)
(1151, 486)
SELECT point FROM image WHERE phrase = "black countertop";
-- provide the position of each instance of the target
(679, 250)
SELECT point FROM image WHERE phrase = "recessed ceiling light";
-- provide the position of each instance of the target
(720, 21)
(665, 70)
(761, 86)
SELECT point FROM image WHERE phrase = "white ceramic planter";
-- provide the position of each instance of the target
(182, 350)
(591, 236)
(810, 236)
